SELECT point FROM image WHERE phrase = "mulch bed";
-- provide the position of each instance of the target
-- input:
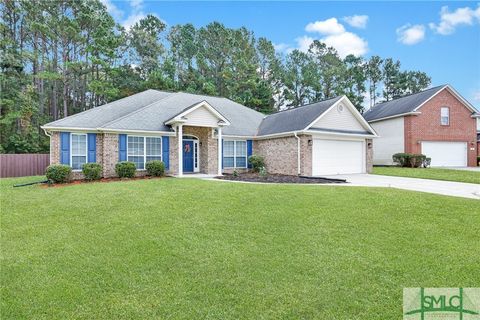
(104, 180)
(277, 178)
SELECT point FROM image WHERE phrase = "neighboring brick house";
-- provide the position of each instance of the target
(437, 122)
(194, 133)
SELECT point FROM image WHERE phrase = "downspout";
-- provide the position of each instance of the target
(298, 151)
(49, 135)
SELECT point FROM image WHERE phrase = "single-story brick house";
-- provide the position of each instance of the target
(196, 133)
(437, 122)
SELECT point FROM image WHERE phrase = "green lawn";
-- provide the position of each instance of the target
(430, 173)
(191, 249)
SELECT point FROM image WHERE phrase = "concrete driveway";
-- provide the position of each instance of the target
(456, 189)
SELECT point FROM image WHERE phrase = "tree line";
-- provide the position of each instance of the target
(62, 57)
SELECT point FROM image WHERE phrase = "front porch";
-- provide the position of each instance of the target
(195, 150)
(197, 145)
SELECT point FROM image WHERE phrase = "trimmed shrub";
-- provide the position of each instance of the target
(478, 160)
(92, 171)
(125, 169)
(257, 162)
(58, 173)
(409, 160)
(155, 168)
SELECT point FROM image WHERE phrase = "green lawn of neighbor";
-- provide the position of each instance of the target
(430, 173)
(192, 249)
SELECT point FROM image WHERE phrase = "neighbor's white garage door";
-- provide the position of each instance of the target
(337, 157)
(446, 154)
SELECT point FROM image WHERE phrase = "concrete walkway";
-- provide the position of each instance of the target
(448, 188)
(474, 169)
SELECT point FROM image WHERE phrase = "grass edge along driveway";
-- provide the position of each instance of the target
(192, 249)
(430, 173)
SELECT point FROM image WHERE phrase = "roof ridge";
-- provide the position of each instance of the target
(138, 110)
(303, 105)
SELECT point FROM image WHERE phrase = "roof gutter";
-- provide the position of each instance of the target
(298, 152)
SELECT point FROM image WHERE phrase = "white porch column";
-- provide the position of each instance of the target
(180, 149)
(220, 145)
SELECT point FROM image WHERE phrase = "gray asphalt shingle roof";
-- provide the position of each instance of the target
(148, 110)
(401, 105)
(294, 119)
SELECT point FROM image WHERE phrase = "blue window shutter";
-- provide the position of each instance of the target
(122, 147)
(249, 151)
(65, 148)
(166, 151)
(92, 147)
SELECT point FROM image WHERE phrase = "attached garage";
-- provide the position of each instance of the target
(446, 154)
(338, 157)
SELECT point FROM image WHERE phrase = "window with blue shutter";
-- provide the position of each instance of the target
(65, 148)
(122, 147)
(92, 147)
(249, 151)
(166, 151)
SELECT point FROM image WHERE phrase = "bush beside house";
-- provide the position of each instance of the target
(155, 168)
(125, 169)
(92, 171)
(411, 160)
(58, 173)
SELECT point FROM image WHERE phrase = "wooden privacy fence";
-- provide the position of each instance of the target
(22, 165)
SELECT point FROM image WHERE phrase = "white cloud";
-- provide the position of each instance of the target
(334, 35)
(450, 20)
(329, 26)
(281, 47)
(476, 96)
(357, 21)
(114, 11)
(347, 43)
(409, 34)
(304, 43)
(132, 19)
(136, 4)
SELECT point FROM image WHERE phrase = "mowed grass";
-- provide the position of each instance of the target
(430, 173)
(191, 249)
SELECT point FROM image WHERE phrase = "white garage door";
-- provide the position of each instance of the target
(337, 157)
(446, 154)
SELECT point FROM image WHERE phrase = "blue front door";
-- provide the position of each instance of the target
(188, 156)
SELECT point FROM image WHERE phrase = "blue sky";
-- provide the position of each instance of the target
(440, 38)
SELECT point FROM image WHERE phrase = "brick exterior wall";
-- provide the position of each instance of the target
(427, 127)
(281, 154)
(369, 157)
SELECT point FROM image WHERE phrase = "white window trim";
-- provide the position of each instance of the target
(448, 116)
(235, 154)
(78, 155)
(145, 150)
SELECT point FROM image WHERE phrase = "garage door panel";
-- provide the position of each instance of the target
(337, 157)
(445, 154)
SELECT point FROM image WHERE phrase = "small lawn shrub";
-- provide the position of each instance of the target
(58, 173)
(427, 162)
(92, 171)
(125, 169)
(409, 160)
(235, 173)
(155, 168)
(262, 172)
(257, 162)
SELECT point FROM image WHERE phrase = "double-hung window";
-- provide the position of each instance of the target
(79, 150)
(445, 116)
(234, 154)
(143, 149)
